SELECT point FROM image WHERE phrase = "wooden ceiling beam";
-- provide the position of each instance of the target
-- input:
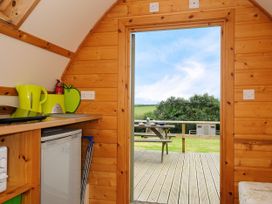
(255, 3)
(11, 91)
(12, 31)
(8, 91)
(15, 12)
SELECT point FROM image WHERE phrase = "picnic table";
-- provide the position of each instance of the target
(160, 134)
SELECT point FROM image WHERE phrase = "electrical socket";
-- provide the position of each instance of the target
(248, 94)
(193, 4)
(87, 95)
(154, 7)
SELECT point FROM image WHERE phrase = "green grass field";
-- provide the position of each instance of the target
(140, 110)
(191, 145)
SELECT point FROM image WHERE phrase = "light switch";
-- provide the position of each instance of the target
(154, 7)
(248, 94)
(87, 95)
(193, 4)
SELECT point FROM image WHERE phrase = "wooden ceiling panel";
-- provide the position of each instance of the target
(15, 11)
(4, 4)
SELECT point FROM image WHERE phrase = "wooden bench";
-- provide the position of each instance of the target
(144, 134)
(170, 136)
(163, 141)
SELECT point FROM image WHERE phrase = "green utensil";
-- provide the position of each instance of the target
(30, 97)
(15, 200)
(71, 99)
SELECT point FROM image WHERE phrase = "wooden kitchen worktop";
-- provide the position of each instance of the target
(23, 141)
(48, 122)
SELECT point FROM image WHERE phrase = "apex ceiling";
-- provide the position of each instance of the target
(61, 22)
(266, 4)
(15, 11)
(65, 22)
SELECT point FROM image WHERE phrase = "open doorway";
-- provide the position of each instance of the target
(176, 111)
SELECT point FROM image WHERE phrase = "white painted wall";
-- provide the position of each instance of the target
(9, 100)
(62, 22)
(22, 63)
(266, 4)
(65, 22)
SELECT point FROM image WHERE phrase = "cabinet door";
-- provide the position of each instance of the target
(61, 170)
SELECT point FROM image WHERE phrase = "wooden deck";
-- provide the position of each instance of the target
(181, 179)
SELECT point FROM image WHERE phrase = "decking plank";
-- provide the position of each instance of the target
(180, 179)
(202, 185)
(216, 160)
(140, 186)
(142, 160)
(167, 185)
(151, 183)
(184, 185)
(213, 196)
(142, 168)
(193, 184)
(214, 173)
(174, 193)
(154, 195)
(136, 158)
(144, 165)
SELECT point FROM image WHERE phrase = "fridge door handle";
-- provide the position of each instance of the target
(56, 141)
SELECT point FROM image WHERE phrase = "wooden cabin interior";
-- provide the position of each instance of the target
(86, 43)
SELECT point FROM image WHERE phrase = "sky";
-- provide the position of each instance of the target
(177, 63)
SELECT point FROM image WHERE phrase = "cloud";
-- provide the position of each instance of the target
(181, 67)
(191, 77)
(191, 69)
(201, 46)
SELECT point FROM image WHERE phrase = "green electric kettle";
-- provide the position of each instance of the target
(30, 97)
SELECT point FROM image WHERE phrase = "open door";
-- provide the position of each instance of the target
(194, 174)
(132, 59)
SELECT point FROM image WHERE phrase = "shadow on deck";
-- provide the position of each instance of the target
(180, 179)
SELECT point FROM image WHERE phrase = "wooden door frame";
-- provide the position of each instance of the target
(223, 18)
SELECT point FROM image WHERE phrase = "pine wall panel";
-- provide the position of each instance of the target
(95, 67)
(253, 70)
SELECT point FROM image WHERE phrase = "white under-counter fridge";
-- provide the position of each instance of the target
(60, 166)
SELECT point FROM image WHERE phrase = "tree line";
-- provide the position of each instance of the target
(196, 108)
